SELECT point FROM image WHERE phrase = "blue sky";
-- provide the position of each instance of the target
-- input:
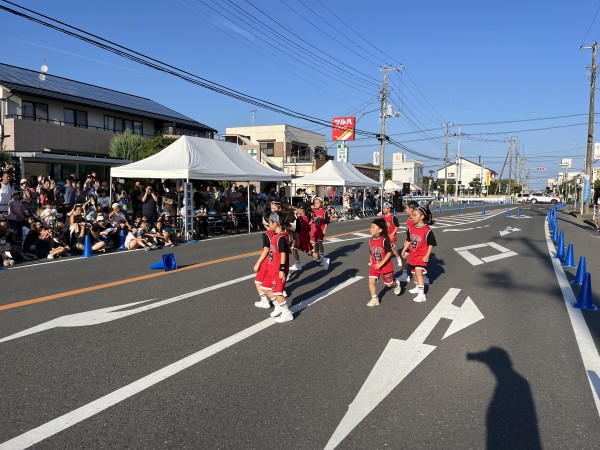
(469, 63)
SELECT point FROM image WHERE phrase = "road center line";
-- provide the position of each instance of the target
(84, 412)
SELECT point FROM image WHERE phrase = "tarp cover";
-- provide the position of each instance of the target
(200, 159)
(336, 173)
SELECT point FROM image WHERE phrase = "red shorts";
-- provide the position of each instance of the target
(274, 284)
(412, 268)
(388, 277)
(303, 244)
(317, 236)
(262, 273)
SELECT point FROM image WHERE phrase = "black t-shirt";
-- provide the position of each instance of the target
(149, 206)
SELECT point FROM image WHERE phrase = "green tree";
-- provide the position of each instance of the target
(10, 164)
(155, 145)
(127, 145)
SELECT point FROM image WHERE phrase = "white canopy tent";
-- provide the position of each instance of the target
(391, 185)
(193, 158)
(337, 173)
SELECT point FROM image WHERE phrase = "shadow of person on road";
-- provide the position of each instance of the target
(511, 416)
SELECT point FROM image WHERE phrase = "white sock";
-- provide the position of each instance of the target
(421, 289)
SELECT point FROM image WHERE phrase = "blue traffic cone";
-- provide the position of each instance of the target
(87, 247)
(457, 209)
(167, 263)
(508, 213)
(446, 206)
(122, 241)
(570, 257)
(439, 209)
(584, 301)
(555, 233)
(518, 212)
(560, 246)
(581, 270)
(483, 211)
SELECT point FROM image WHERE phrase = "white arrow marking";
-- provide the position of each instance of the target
(78, 415)
(508, 230)
(400, 358)
(108, 314)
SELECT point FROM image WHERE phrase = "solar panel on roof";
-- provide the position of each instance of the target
(24, 80)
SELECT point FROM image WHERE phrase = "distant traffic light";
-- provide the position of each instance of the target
(541, 168)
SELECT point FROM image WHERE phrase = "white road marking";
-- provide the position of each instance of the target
(400, 358)
(475, 261)
(463, 229)
(333, 239)
(583, 337)
(364, 235)
(84, 412)
(111, 313)
(508, 230)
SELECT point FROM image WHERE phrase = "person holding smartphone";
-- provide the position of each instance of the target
(149, 202)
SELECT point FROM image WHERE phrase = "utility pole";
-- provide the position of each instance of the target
(446, 165)
(510, 153)
(590, 139)
(481, 177)
(385, 113)
(458, 164)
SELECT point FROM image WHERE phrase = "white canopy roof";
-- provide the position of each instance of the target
(336, 173)
(391, 185)
(200, 159)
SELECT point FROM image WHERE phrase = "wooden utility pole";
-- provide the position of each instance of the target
(590, 138)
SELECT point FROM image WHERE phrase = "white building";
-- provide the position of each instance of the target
(467, 171)
(289, 149)
(407, 171)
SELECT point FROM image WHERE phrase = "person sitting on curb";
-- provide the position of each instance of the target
(132, 241)
(58, 247)
(97, 245)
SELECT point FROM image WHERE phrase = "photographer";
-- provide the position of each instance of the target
(149, 201)
(120, 197)
(95, 242)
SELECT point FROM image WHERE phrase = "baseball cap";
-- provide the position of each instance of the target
(24, 180)
(114, 205)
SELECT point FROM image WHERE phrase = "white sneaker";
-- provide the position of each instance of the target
(286, 316)
(397, 288)
(325, 263)
(420, 298)
(373, 302)
(264, 302)
(277, 310)
(296, 266)
(414, 290)
(50, 256)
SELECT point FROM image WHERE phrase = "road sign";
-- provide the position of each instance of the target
(342, 128)
(376, 158)
(342, 153)
(566, 162)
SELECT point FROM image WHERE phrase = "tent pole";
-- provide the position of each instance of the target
(187, 236)
(110, 193)
(248, 207)
(364, 195)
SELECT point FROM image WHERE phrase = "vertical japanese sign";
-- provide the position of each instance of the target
(189, 210)
(488, 178)
(342, 153)
(587, 188)
(342, 128)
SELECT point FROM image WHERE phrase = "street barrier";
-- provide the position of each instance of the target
(584, 301)
(87, 247)
(581, 270)
(167, 263)
(570, 257)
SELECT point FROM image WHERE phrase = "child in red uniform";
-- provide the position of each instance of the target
(278, 268)
(302, 236)
(318, 228)
(409, 208)
(381, 260)
(420, 240)
(392, 228)
(261, 267)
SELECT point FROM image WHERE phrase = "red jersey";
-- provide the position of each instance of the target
(393, 225)
(319, 219)
(263, 269)
(379, 249)
(420, 238)
(279, 244)
(302, 241)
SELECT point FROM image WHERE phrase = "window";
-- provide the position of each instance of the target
(118, 125)
(300, 151)
(34, 111)
(76, 118)
(268, 148)
(450, 174)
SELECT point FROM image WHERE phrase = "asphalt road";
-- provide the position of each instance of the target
(107, 353)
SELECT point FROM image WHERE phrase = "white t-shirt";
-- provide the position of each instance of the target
(6, 192)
